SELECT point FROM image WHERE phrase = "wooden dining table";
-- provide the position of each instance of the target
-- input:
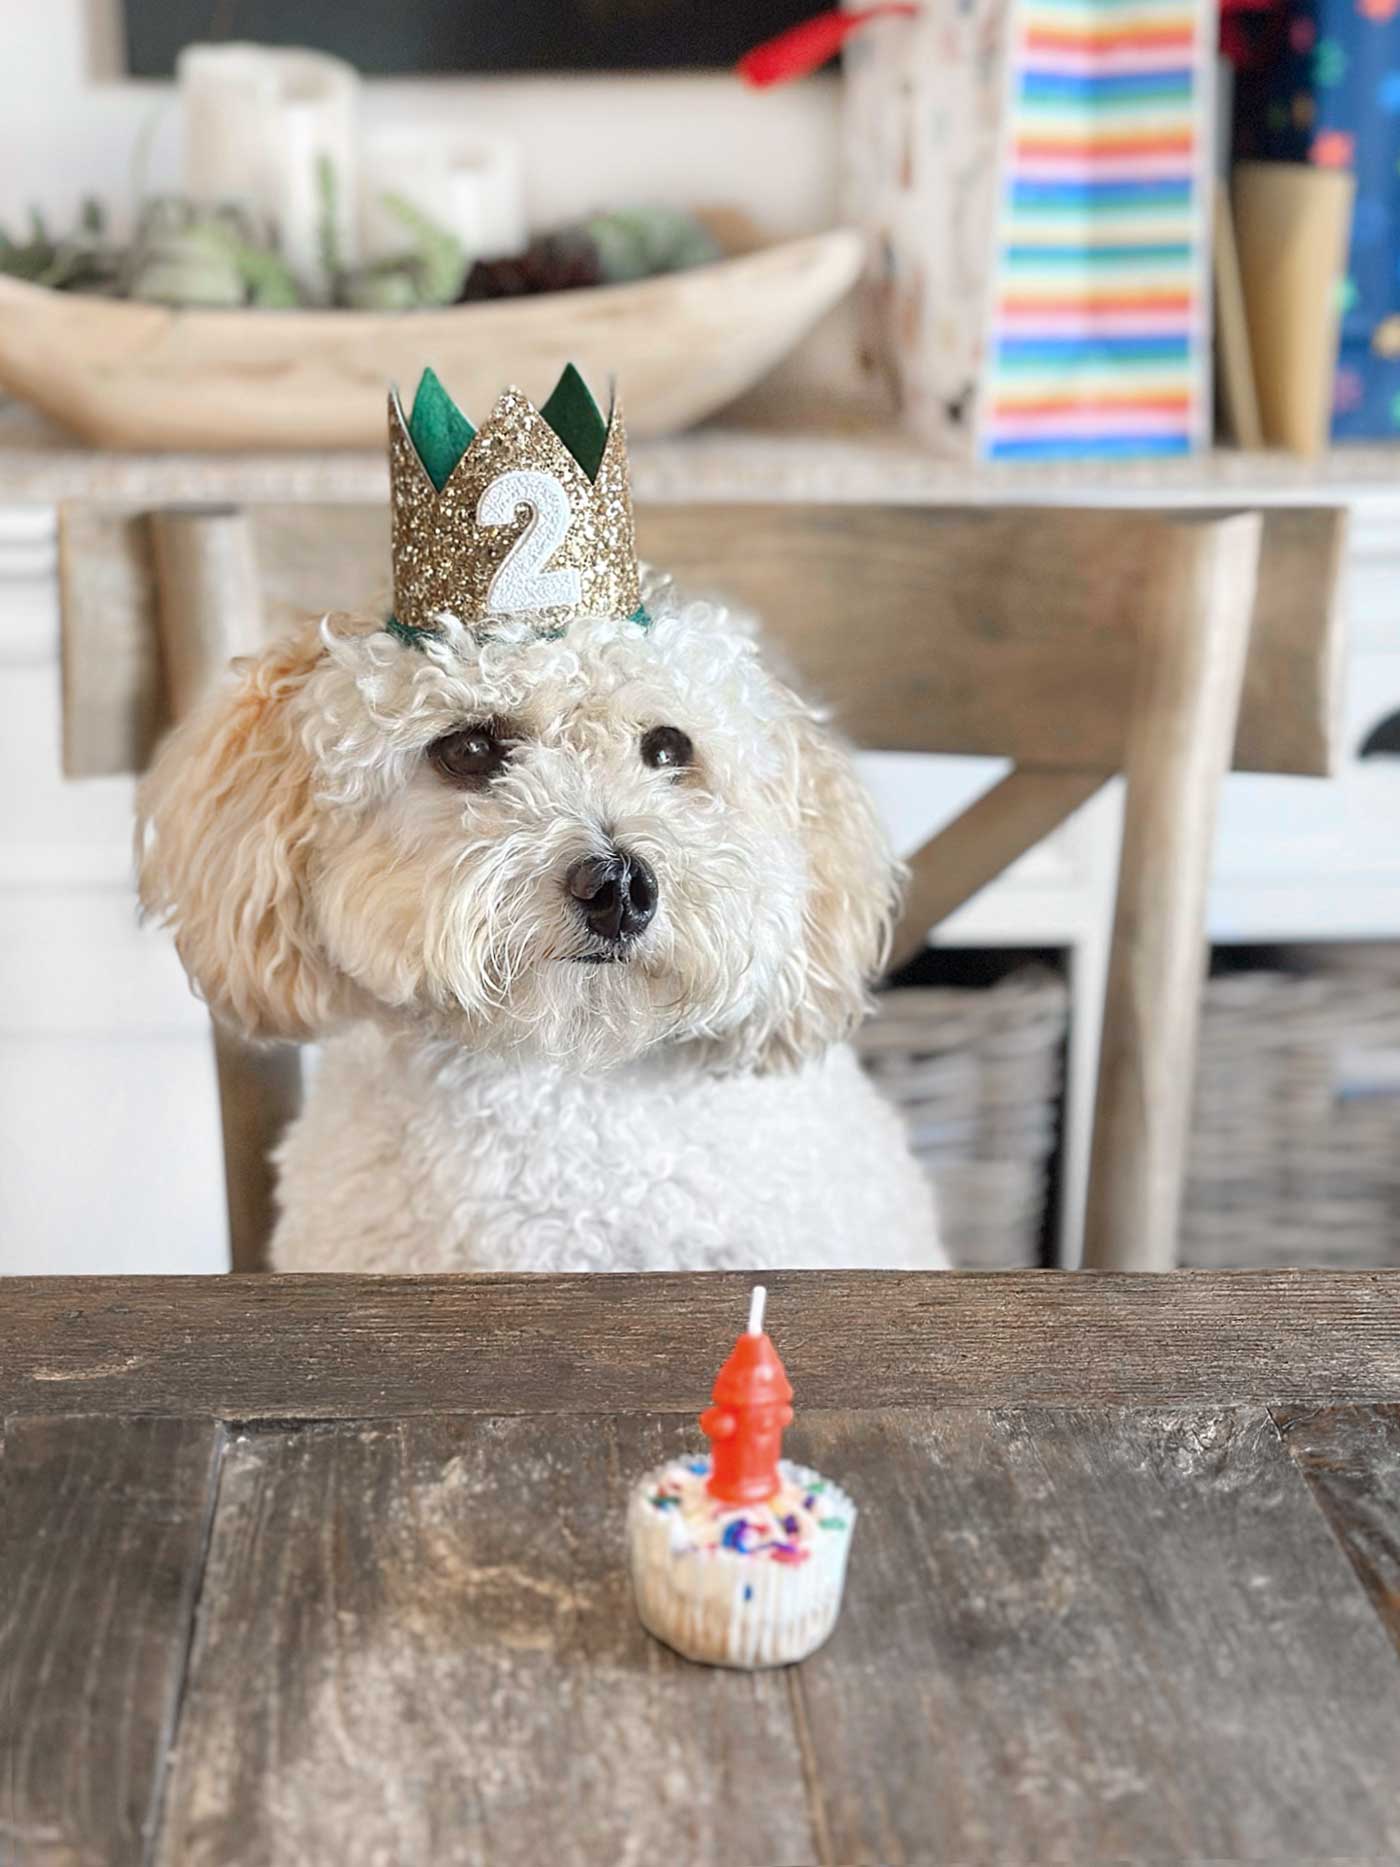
(331, 1570)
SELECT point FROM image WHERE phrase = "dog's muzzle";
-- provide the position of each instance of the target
(614, 896)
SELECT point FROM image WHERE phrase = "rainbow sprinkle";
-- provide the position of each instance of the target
(784, 1529)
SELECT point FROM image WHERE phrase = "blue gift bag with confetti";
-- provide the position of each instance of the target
(1331, 96)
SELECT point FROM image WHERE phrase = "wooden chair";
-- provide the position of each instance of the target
(1078, 644)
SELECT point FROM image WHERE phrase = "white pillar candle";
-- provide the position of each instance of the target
(259, 122)
(469, 185)
(486, 172)
(229, 95)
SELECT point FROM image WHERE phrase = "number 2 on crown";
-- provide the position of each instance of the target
(521, 581)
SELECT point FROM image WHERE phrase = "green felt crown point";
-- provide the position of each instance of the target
(442, 434)
(438, 429)
(578, 421)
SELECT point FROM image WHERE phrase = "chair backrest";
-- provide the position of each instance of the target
(1008, 632)
(1012, 632)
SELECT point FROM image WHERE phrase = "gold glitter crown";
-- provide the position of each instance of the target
(531, 514)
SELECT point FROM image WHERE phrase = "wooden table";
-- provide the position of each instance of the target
(305, 1570)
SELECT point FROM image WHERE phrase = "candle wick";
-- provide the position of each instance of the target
(756, 1303)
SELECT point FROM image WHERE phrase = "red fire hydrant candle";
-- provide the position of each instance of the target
(752, 1405)
(739, 1559)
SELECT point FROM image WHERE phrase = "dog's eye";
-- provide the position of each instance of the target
(469, 756)
(667, 748)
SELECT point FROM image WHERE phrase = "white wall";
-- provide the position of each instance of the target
(109, 1150)
(70, 126)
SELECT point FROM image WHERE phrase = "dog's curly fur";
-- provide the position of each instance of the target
(483, 1102)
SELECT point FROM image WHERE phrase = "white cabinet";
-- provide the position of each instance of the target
(1302, 860)
(110, 1156)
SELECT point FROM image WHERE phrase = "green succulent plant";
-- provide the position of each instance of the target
(429, 272)
(637, 243)
(328, 228)
(265, 276)
(389, 286)
(188, 255)
(80, 261)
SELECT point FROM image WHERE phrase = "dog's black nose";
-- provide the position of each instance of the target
(616, 894)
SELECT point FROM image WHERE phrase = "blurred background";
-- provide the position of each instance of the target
(1072, 252)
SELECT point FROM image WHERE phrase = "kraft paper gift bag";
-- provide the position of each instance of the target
(1329, 97)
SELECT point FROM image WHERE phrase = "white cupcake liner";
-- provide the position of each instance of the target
(724, 1608)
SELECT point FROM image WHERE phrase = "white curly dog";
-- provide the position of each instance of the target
(585, 922)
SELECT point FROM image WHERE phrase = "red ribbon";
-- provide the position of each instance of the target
(809, 44)
(1249, 49)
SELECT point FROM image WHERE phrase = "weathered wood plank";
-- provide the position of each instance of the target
(1007, 632)
(1095, 1636)
(1003, 631)
(1351, 1458)
(326, 1347)
(418, 1644)
(1010, 633)
(104, 1532)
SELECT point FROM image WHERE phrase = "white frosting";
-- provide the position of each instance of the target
(784, 1528)
(739, 1585)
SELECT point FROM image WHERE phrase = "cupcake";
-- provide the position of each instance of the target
(739, 1558)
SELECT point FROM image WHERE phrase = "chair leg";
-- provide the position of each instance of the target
(209, 610)
(1088, 980)
(259, 1096)
(1180, 741)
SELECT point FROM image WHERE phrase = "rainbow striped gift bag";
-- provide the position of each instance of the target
(1034, 176)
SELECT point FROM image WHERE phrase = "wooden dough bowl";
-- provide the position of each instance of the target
(129, 375)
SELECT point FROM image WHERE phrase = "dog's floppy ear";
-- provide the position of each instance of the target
(225, 820)
(852, 897)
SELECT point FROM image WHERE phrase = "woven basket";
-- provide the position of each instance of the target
(1295, 1155)
(977, 1075)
